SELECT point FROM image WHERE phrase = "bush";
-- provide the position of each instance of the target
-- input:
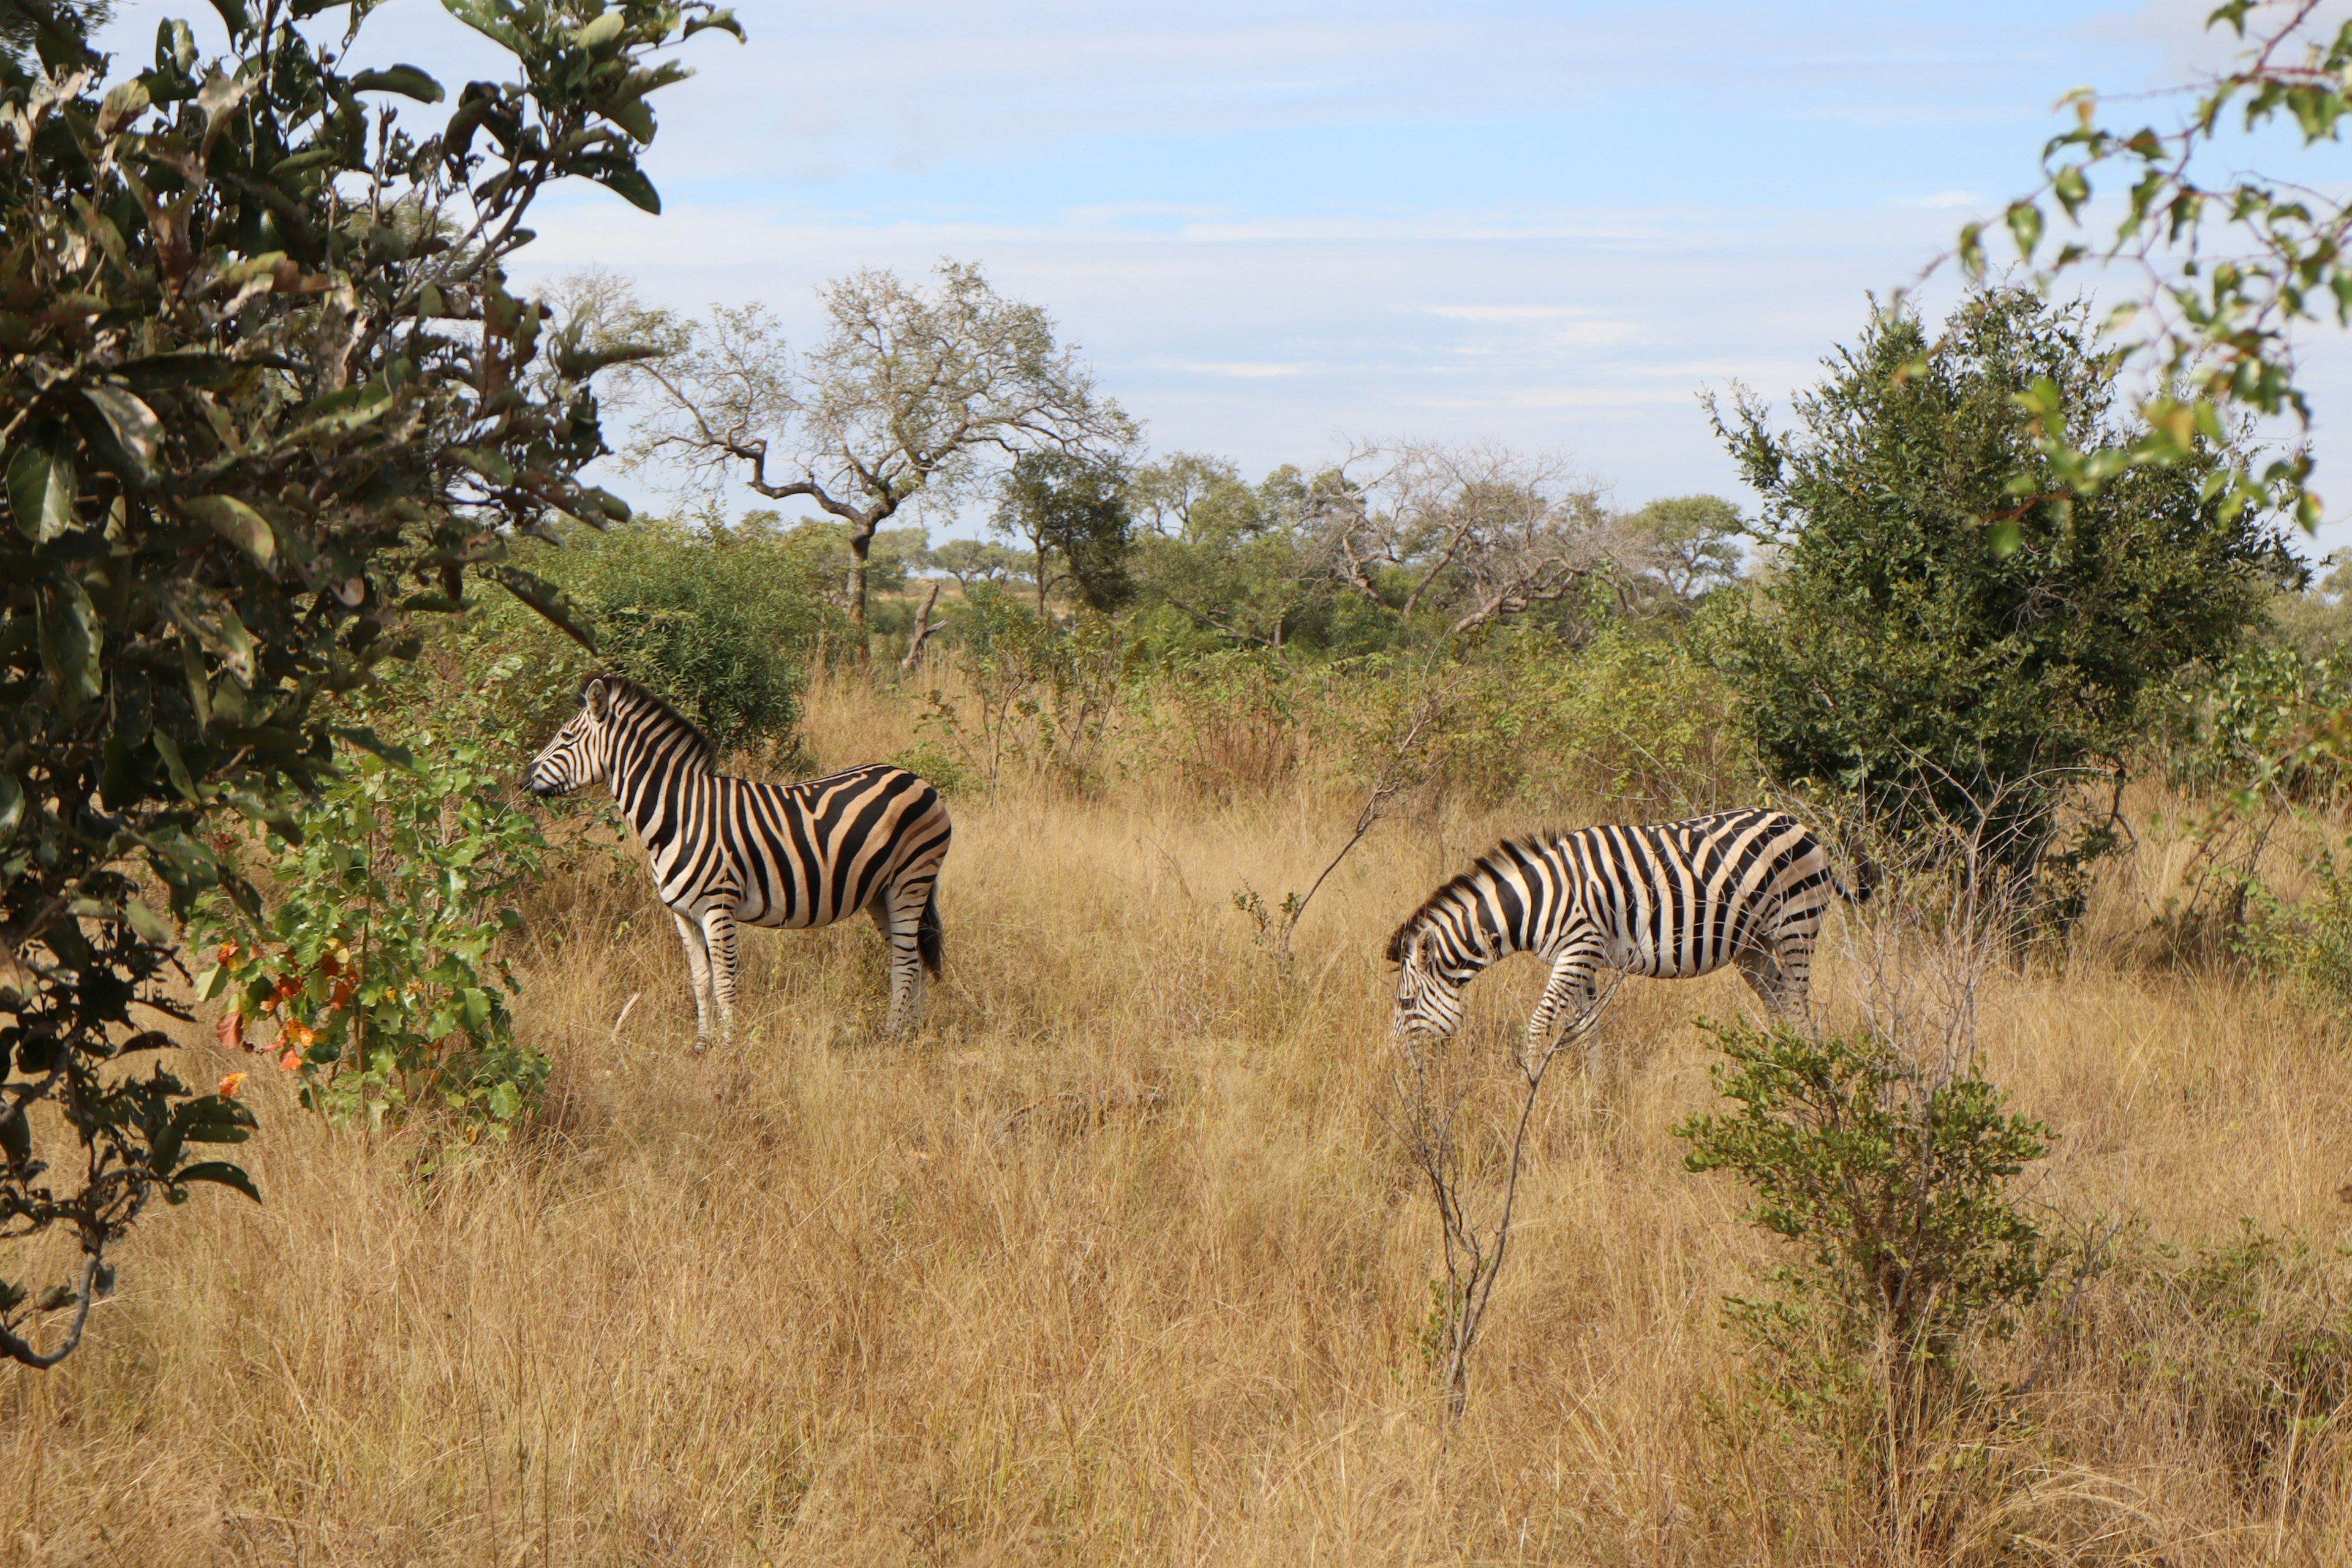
(721, 621)
(251, 423)
(1042, 694)
(1892, 1184)
(376, 963)
(1948, 630)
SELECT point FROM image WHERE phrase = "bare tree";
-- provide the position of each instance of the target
(1481, 531)
(1437, 1080)
(913, 394)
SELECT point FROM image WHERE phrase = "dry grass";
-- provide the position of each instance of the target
(1117, 1263)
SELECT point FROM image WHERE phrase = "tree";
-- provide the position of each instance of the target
(1073, 512)
(1898, 652)
(1480, 532)
(1692, 544)
(1231, 558)
(907, 396)
(2232, 265)
(265, 396)
(969, 560)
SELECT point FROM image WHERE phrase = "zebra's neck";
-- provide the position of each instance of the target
(645, 768)
(1484, 921)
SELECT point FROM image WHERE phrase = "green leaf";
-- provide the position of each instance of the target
(135, 426)
(2025, 227)
(486, 19)
(368, 740)
(12, 806)
(545, 598)
(407, 80)
(236, 522)
(70, 643)
(504, 1101)
(602, 30)
(630, 185)
(220, 1172)
(175, 767)
(151, 926)
(41, 492)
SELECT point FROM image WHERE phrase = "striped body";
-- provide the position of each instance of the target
(1673, 899)
(723, 849)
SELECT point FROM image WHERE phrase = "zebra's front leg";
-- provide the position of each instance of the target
(719, 931)
(697, 965)
(1568, 992)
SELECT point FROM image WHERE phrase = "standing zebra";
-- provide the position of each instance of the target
(1674, 900)
(727, 850)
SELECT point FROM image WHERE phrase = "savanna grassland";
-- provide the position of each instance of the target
(1119, 1260)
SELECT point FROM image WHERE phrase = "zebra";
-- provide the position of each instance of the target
(1674, 900)
(726, 849)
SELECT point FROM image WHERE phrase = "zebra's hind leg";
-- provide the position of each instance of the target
(697, 965)
(898, 915)
(1783, 993)
(719, 931)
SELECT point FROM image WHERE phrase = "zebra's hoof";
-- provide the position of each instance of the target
(702, 1044)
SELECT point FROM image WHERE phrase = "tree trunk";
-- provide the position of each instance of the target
(922, 627)
(857, 549)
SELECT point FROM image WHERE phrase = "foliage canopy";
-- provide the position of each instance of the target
(265, 396)
(1941, 645)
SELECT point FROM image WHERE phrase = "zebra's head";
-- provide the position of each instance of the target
(575, 758)
(1429, 990)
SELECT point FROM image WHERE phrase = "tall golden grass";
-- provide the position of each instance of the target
(1119, 1261)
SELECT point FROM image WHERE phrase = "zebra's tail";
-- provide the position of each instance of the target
(929, 933)
(1866, 876)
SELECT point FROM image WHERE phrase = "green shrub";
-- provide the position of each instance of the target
(1946, 630)
(1042, 694)
(1891, 1185)
(721, 621)
(376, 961)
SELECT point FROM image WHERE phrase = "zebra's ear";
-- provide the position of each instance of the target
(594, 695)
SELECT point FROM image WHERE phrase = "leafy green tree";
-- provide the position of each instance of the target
(1934, 640)
(1220, 562)
(1075, 515)
(265, 396)
(970, 560)
(1692, 545)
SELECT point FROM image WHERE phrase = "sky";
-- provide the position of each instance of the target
(1277, 227)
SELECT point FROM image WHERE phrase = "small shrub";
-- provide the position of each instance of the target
(1893, 1187)
(376, 963)
(1042, 694)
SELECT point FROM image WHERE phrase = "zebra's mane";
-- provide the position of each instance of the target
(701, 749)
(1485, 866)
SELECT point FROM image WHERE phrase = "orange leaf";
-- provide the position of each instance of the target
(290, 1061)
(230, 1085)
(232, 1032)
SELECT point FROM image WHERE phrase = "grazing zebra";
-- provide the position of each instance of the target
(728, 849)
(1673, 899)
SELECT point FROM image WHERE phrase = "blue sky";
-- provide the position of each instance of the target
(1275, 226)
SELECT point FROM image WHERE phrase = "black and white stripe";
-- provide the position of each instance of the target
(1673, 899)
(728, 849)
